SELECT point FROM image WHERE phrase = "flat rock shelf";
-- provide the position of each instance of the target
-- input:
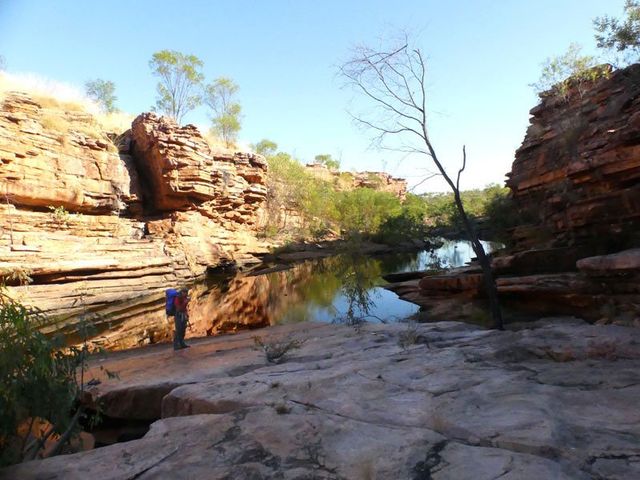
(554, 399)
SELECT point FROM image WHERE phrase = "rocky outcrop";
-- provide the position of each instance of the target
(575, 186)
(380, 181)
(445, 401)
(576, 177)
(54, 157)
(181, 171)
(95, 225)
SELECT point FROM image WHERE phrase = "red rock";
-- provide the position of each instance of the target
(103, 248)
(627, 260)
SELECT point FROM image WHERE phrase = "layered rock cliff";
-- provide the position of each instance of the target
(575, 185)
(93, 223)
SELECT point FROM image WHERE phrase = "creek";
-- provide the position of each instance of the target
(339, 288)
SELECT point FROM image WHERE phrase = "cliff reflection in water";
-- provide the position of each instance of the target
(328, 289)
(339, 289)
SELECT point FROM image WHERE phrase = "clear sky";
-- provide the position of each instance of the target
(482, 54)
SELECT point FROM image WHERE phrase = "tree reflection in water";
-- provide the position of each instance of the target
(345, 289)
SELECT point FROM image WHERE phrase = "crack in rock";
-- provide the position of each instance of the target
(423, 470)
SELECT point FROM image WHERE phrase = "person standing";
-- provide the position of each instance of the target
(180, 302)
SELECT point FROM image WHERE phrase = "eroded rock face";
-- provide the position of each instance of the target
(52, 156)
(576, 176)
(181, 171)
(555, 400)
(127, 223)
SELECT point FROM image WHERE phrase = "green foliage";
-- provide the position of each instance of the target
(572, 69)
(363, 210)
(265, 147)
(59, 215)
(226, 113)
(328, 161)
(620, 34)
(103, 92)
(39, 381)
(325, 206)
(180, 79)
(501, 216)
(408, 224)
(441, 210)
(292, 188)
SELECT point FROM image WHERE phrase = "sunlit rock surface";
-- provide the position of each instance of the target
(380, 181)
(133, 215)
(555, 400)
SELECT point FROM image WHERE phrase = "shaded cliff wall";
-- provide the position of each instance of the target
(576, 177)
(155, 212)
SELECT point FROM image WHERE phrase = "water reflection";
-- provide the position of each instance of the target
(342, 288)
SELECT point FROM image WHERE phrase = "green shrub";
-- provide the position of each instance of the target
(441, 210)
(39, 382)
(362, 211)
(570, 70)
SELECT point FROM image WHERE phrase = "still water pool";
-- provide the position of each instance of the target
(340, 288)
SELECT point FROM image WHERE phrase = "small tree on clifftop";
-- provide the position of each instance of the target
(226, 112)
(103, 92)
(571, 68)
(393, 81)
(265, 147)
(180, 79)
(327, 160)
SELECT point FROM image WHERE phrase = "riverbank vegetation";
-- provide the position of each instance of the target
(43, 381)
(301, 205)
(40, 386)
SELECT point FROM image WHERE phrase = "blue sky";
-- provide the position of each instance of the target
(482, 55)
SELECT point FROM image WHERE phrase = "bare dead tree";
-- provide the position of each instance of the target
(392, 81)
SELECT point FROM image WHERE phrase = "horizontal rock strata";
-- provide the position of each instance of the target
(96, 225)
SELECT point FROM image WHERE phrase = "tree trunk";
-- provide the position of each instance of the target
(487, 274)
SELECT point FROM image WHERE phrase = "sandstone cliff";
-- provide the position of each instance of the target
(93, 223)
(575, 184)
(381, 181)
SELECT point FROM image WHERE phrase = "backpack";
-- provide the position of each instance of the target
(170, 294)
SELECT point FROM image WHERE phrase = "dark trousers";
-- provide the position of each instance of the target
(180, 329)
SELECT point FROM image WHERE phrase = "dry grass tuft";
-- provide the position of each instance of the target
(277, 351)
(117, 122)
(48, 93)
(57, 96)
(55, 123)
(216, 143)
